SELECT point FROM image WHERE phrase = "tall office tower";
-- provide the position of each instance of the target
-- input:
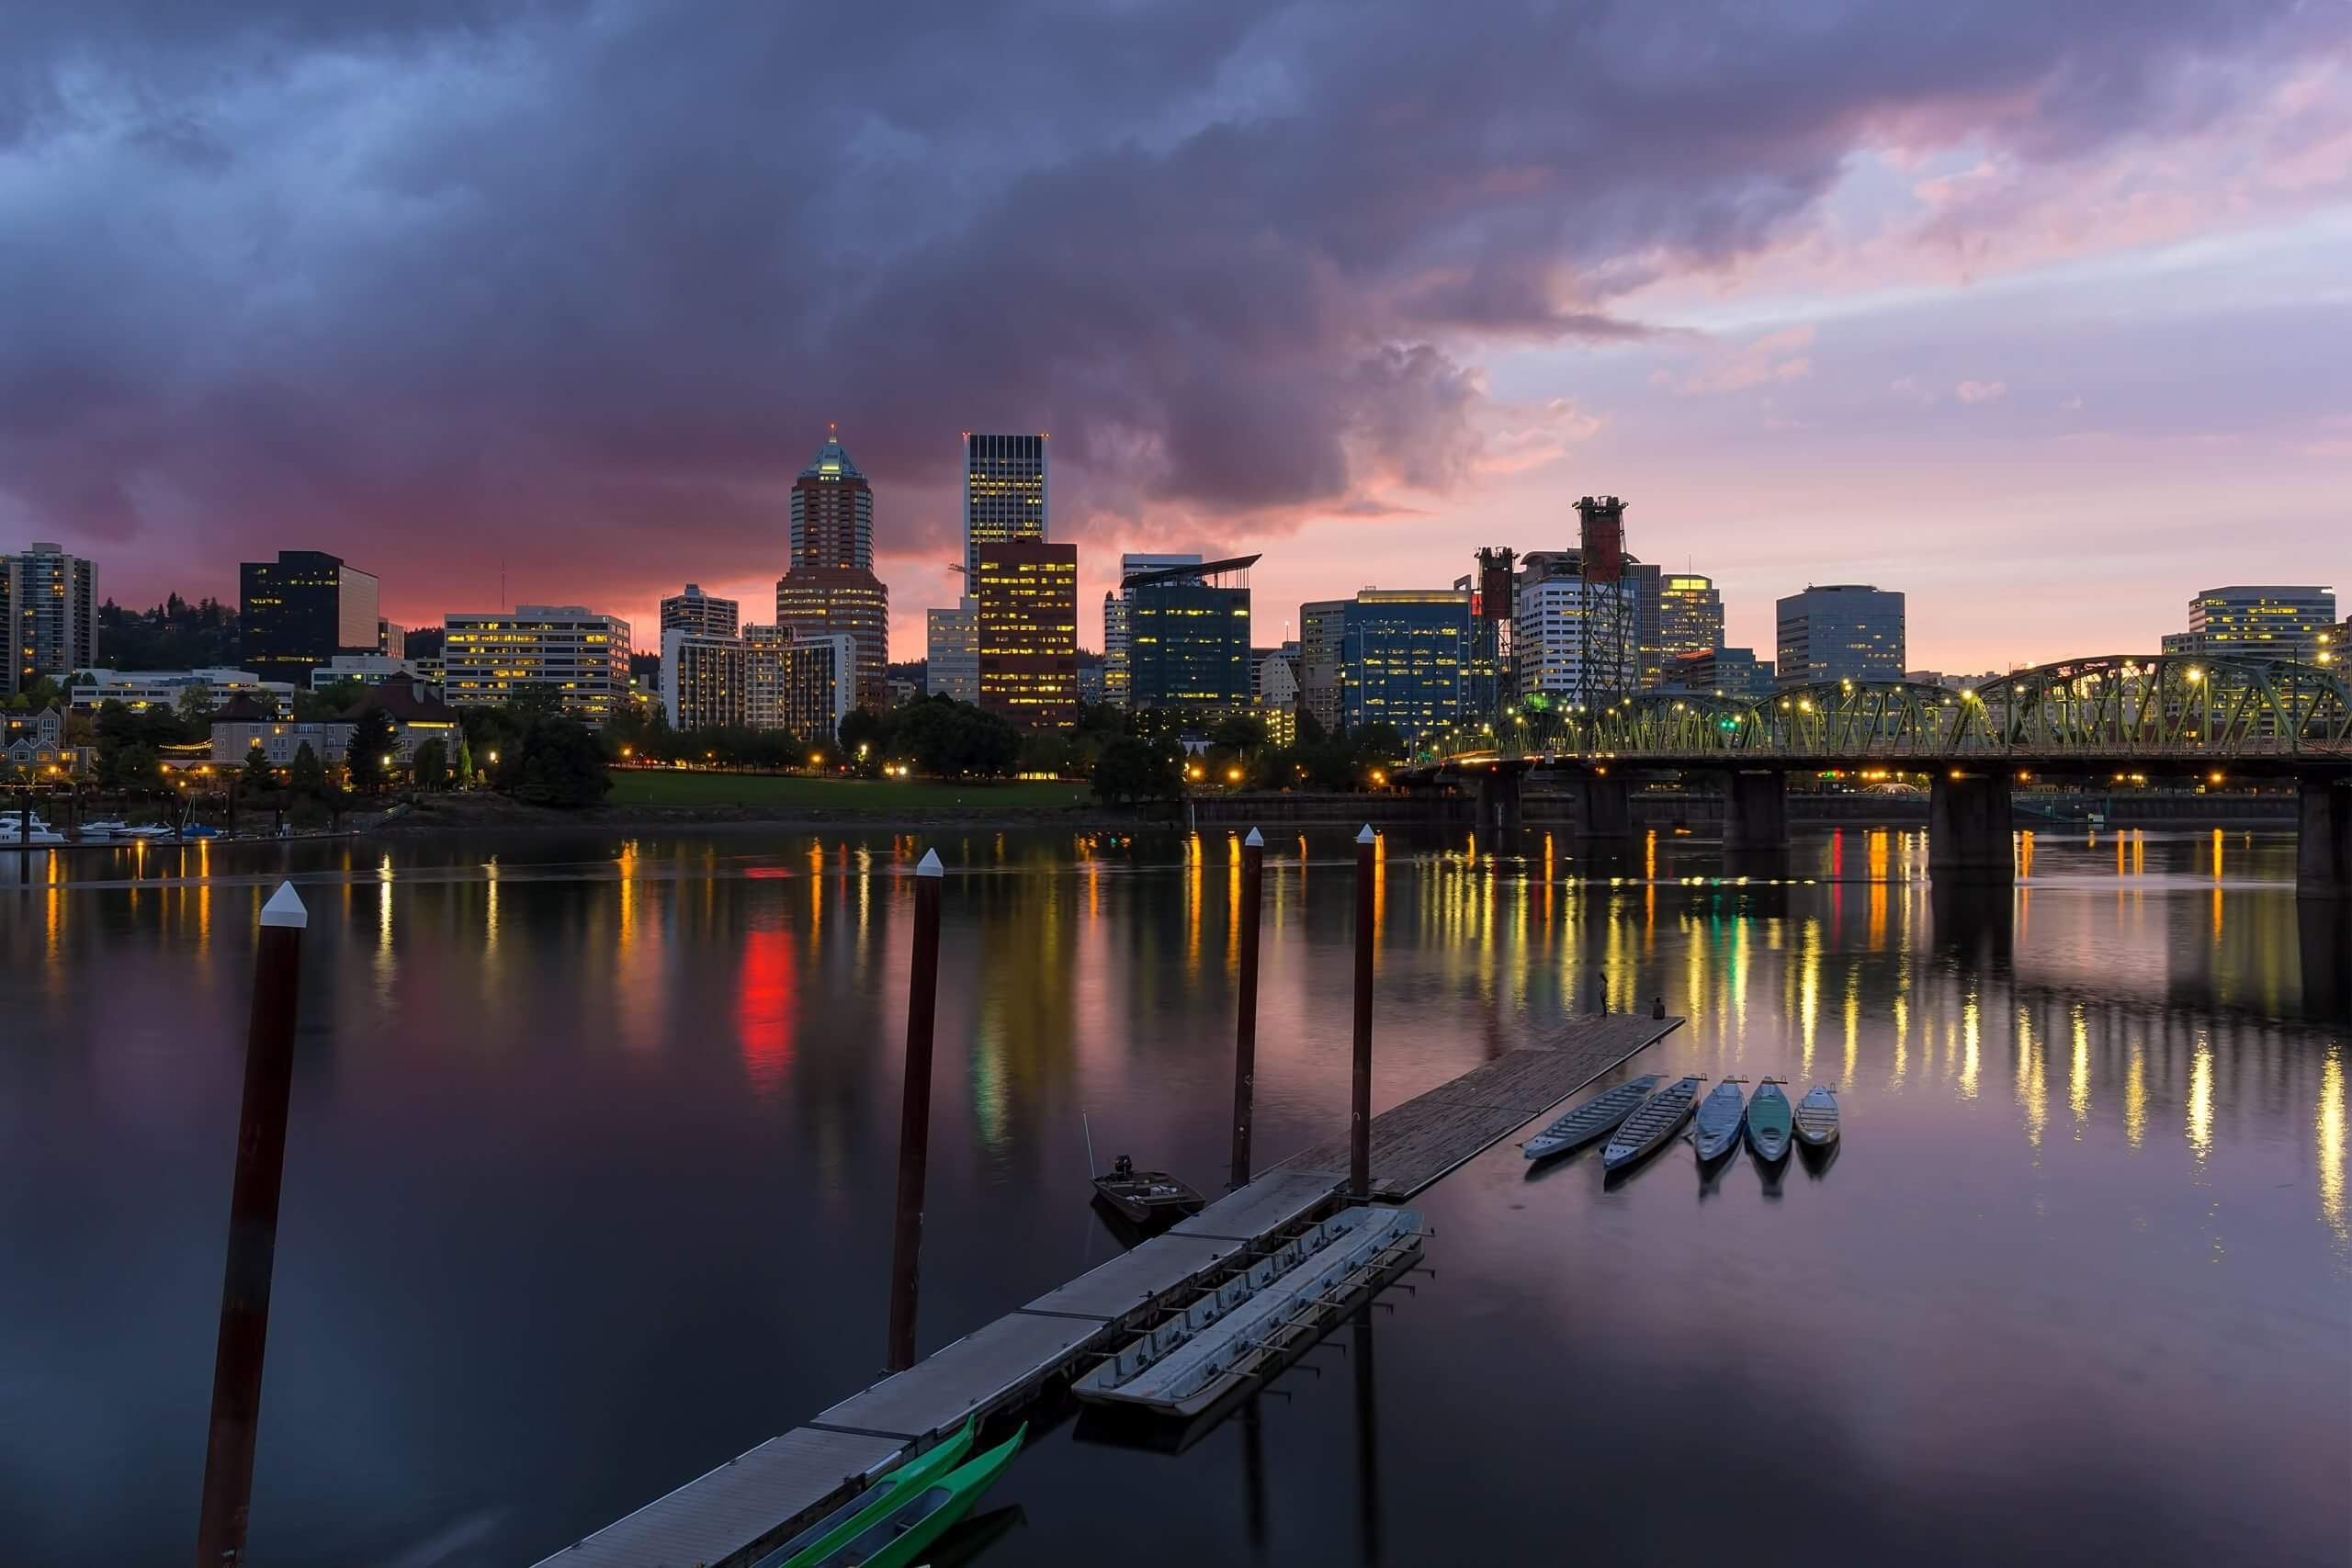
(830, 589)
(952, 653)
(1611, 665)
(2262, 621)
(702, 614)
(581, 657)
(764, 679)
(1568, 641)
(1690, 617)
(1004, 491)
(1024, 605)
(298, 612)
(832, 510)
(1188, 630)
(1117, 682)
(49, 606)
(702, 678)
(391, 638)
(1720, 671)
(1846, 631)
(1406, 659)
(1648, 583)
(1322, 643)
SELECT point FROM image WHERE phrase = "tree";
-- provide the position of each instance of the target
(432, 764)
(865, 728)
(1239, 732)
(329, 702)
(195, 706)
(375, 744)
(1045, 752)
(259, 774)
(465, 764)
(1310, 729)
(1132, 769)
(306, 774)
(534, 703)
(133, 766)
(562, 765)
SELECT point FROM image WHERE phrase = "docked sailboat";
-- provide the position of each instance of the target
(1767, 1122)
(1816, 1117)
(1600, 1114)
(1719, 1120)
(1652, 1123)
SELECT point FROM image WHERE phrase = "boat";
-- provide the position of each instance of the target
(1149, 1199)
(1652, 1123)
(1254, 1324)
(200, 832)
(103, 830)
(145, 831)
(902, 1532)
(889, 1491)
(21, 830)
(1767, 1122)
(1719, 1120)
(1816, 1116)
(1600, 1115)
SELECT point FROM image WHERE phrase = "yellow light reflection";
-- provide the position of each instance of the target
(1809, 989)
(2033, 1087)
(2078, 1083)
(1968, 1037)
(2331, 1143)
(2200, 1100)
(2135, 1096)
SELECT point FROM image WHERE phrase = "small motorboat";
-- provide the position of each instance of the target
(1600, 1115)
(1652, 1123)
(887, 1493)
(1149, 1200)
(901, 1533)
(1816, 1117)
(102, 831)
(1719, 1120)
(1768, 1122)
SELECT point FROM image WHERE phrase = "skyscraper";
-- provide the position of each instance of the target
(1004, 491)
(1188, 633)
(1322, 643)
(1405, 658)
(1569, 639)
(1025, 604)
(2258, 622)
(701, 613)
(1690, 617)
(298, 612)
(951, 653)
(1115, 680)
(1845, 631)
(573, 652)
(830, 588)
(49, 606)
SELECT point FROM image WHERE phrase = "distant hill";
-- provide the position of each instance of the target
(174, 635)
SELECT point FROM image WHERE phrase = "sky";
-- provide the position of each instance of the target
(2038, 313)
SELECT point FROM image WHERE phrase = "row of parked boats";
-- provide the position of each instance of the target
(34, 829)
(1638, 1117)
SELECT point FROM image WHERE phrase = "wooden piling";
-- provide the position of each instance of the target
(252, 1232)
(1245, 1028)
(1360, 1103)
(914, 1116)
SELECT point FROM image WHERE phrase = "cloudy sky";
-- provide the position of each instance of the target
(2041, 311)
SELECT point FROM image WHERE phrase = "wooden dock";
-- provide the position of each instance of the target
(1429, 1134)
(746, 1506)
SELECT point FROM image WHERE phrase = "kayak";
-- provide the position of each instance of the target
(1768, 1122)
(904, 1530)
(1652, 1123)
(1600, 1115)
(868, 1507)
(1719, 1119)
(1818, 1116)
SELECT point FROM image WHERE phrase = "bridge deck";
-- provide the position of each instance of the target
(729, 1517)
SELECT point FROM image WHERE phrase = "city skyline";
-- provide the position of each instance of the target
(1985, 313)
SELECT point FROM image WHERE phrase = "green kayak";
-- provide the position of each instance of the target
(889, 1490)
(902, 1532)
(1768, 1122)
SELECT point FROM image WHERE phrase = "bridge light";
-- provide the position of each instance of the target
(2213, 778)
(1958, 774)
(2195, 673)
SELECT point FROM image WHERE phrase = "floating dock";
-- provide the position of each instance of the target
(754, 1502)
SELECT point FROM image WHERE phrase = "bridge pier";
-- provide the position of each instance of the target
(1498, 801)
(1970, 837)
(2323, 847)
(1756, 812)
(1604, 806)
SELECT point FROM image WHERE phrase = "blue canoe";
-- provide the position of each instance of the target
(1652, 1123)
(1768, 1122)
(1719, 1120)
(1600, 1115)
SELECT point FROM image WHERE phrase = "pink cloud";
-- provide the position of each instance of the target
(1766, 360)
(1981, 391)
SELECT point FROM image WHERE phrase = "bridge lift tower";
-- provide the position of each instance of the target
(1610, 635)
(1494, 604)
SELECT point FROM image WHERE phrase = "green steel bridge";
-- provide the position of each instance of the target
(2135, 716)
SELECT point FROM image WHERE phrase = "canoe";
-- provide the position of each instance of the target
(1768, 1122)
(1816, 1116)
(1719, 1120)
(1600, 1115)
(905, 1531)
(887, 1493)
(1149, 1199)
(1652, 1123)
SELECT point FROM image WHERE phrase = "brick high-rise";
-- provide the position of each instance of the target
(830, 589)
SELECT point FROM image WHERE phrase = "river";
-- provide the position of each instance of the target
(589, 1183)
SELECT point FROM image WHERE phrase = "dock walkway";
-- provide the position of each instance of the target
(729, 1517)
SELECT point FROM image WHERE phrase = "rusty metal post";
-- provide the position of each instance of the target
(252, 1232)
(1360, 1100)
(914, 1116)
(1245, 1027)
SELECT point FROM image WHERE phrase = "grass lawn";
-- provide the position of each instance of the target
(636, 786)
